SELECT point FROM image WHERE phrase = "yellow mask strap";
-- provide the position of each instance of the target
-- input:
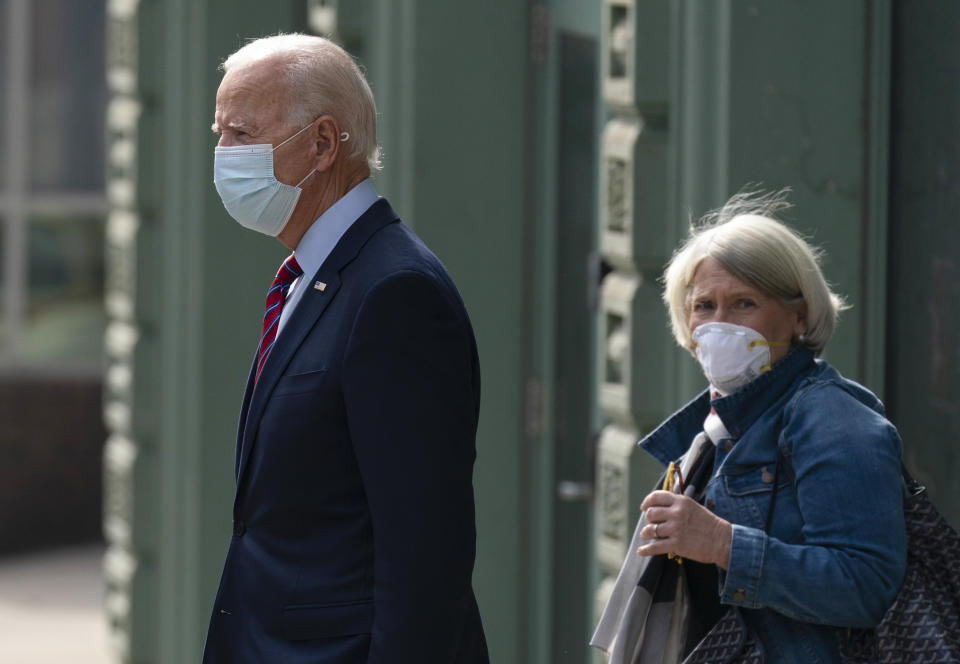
(771, 344)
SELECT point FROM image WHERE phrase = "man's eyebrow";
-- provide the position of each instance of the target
(240, 125)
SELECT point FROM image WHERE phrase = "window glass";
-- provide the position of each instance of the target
(65, 318)
(67, 95)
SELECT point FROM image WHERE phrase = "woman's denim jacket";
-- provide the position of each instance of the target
(836, 552)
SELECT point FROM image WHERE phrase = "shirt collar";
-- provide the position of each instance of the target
(737, 411)
(324, 234)
(742, 408)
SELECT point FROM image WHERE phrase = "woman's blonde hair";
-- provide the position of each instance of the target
(746, 239)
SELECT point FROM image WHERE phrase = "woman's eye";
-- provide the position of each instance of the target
(745, 304)
(703, 305)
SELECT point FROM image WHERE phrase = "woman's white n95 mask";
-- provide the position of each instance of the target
(731, 355)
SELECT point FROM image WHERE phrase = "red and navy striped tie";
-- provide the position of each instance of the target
(286, 275)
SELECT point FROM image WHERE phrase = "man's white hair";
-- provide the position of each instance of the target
(321, 79)
(748, 242)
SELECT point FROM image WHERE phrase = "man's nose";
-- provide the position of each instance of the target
(226, 141)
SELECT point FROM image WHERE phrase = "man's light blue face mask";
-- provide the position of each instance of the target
(249, 189)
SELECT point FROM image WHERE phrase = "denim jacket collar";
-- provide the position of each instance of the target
(738, 410)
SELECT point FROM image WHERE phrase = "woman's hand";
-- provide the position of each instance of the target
(678, 524)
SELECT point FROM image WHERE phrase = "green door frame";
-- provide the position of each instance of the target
(564, 40)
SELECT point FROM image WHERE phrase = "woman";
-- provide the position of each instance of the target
(747, 298)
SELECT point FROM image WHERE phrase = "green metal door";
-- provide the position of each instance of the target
(923, 330)
(564, 128)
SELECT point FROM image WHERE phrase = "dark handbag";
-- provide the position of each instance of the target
(729, 641)
(923, 623)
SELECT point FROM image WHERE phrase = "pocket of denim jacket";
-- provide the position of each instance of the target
(755, 480)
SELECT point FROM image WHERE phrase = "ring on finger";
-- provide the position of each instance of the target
(656, 527)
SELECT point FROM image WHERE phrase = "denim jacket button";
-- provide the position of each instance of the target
(710, 504)
(740, 595)
(766, 476)
(728, 445)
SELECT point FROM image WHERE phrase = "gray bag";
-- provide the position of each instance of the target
(649, 618)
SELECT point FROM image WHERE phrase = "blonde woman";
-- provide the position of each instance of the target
(800, 520)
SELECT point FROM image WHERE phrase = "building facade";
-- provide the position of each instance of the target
(553, 155)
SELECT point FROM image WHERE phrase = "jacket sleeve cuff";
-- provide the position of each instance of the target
(740, 585)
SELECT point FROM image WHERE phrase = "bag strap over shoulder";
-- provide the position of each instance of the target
(773, 494)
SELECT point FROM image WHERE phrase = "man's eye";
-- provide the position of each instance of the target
(702, 305)
(745, 304)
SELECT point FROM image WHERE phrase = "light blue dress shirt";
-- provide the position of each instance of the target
(321, 238)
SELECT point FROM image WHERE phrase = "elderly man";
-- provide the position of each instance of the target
(353, 520)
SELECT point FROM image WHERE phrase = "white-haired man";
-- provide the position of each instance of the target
(354, 533)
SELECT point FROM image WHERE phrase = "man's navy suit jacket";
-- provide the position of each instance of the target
(354, 533)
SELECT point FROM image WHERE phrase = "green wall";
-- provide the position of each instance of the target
(923, 392)
(451, 104)
(472, 123)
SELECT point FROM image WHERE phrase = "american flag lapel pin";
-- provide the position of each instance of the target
(320, 286)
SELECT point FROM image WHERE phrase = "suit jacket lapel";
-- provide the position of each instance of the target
(244, 409)
(311, 306)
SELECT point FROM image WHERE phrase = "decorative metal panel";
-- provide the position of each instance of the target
(120, 451)
(618, 52)
(634, 232)
(616, 334)
(618, 495)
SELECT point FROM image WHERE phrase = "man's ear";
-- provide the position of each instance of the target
(326, 134)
